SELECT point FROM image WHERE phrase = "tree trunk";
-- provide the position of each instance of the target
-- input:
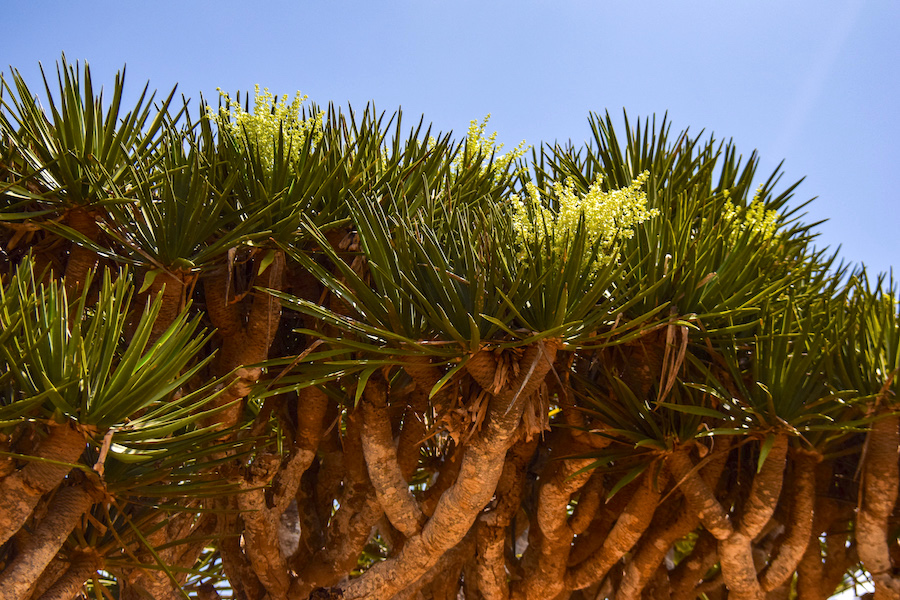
(81, 259)
(64, 514)
(879, 495)
(21, 490)
(479, 473)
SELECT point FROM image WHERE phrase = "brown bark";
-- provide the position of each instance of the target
(261, 528)
(810, 573)
(792, 548)
(83, 567)
(244, 342)
(658, 588)
(651, 553)
(348, 532)
(65, 512)
(738, 568)
(589, 541)
(838, 560)
(425, 376)
(736, 544)
(653, 549)
(207, 591)
(699, 495)
(629, 527)
(881, 481)
(81, 260)
(21, 491)
(572, 416)
(692, 568)
(173, 285)
(7, 463)
(459, 506)
(814, 577)
(312, 406)
(446, 477)
(588, 503)
(554, 540)
(52, 573)
(765, 490)
(351, 524)
(391, 488)
(492, 528)
(714, 589)
(412, 434)
(441, 582)
(736, 551)
(140, 582)
(237, 566)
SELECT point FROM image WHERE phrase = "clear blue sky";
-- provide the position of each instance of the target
(813, 82)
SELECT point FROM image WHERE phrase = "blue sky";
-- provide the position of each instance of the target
(813, 83)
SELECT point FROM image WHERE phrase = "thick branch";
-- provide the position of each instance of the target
(81, 259)
(21, 491)
(392, 490)
(351, 524)
(83, 567)
(651, 553)
(175, 282)
(312, 405)
(653, 549)
(628, 529)
(588, 503)
(63, 516)
(792, 548)
(547, 578)
(459, 506)
(736, 551)
(879, 495)
(765, 490)
(261, 529)
(492, 527)
(700, 497)
(692, 568)
(243, 343)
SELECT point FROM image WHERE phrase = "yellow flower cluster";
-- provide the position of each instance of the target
(761, 222)
(608, 215)
(270, 116)
(476, 143)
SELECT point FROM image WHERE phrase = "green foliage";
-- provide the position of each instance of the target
(685, 305)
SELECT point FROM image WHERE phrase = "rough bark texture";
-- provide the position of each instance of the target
(174, 286)
(391, 487)
(492, 528)
(22, 490)
(792, 548)
(65, 512)
(479, 472)
(551, 541)
(671, 526)
(82, 568)
(629, 527)
(247, 330)
(881, 481)
(81, 260)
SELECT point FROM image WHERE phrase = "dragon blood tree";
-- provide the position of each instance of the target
(293, 352)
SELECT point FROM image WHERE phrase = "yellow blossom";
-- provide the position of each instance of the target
(477, 143)
(755, 217)
(271, 115)
(608, 215)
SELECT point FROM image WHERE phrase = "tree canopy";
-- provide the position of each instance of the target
(308, 352)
